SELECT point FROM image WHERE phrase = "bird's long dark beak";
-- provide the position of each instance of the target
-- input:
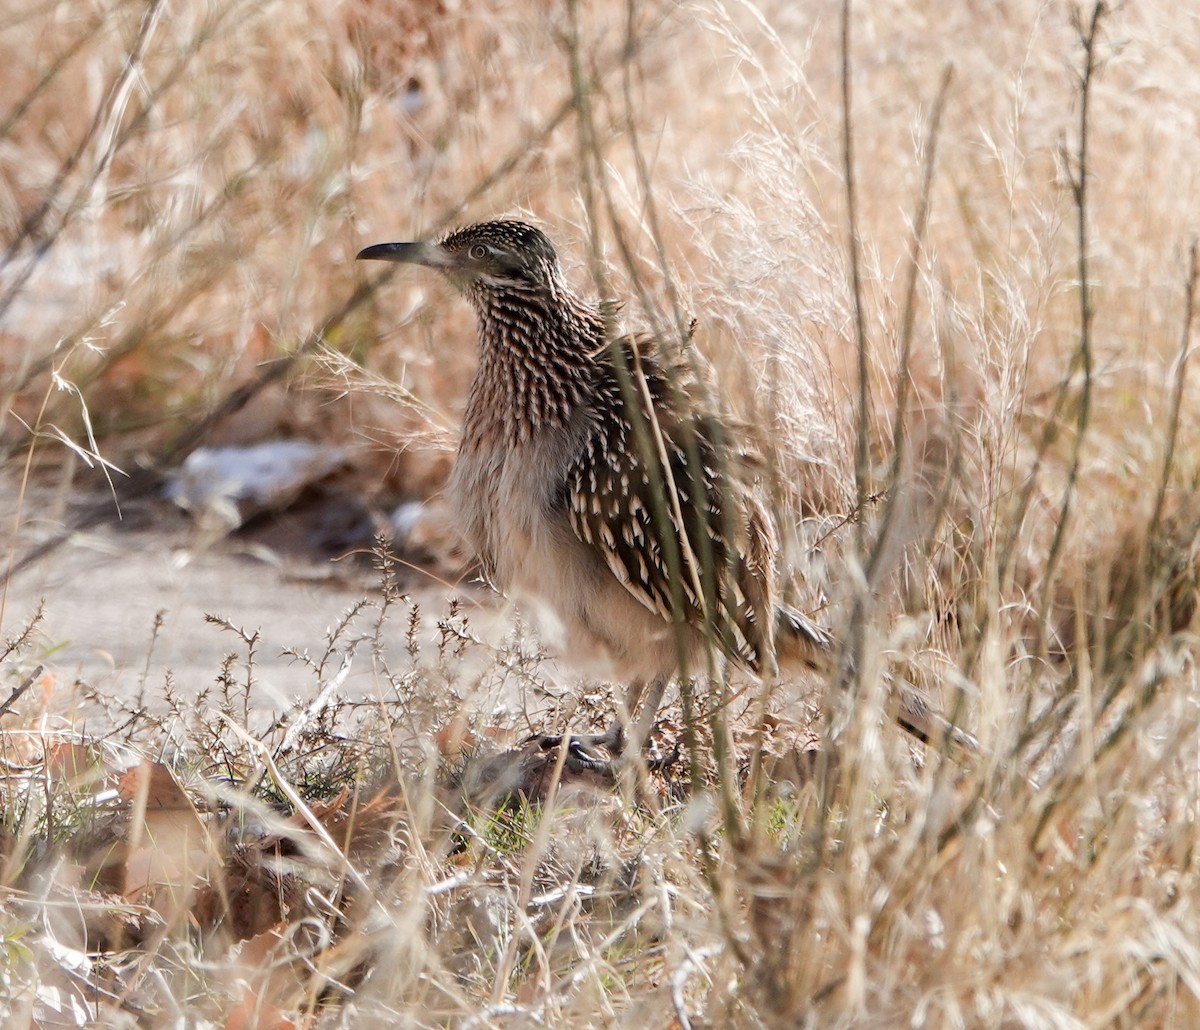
(410, 253)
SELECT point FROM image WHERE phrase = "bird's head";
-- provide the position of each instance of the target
(489, 256)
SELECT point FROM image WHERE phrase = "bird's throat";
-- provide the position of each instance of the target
(536, 357)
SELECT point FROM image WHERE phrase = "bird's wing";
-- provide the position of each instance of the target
(659, 500)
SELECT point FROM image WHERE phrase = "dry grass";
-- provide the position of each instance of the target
(1009, 522)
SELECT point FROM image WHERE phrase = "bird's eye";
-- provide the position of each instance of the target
(478, 252)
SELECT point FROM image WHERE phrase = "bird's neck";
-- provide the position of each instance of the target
(536, 357)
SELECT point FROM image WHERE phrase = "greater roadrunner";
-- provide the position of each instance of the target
(594, 475)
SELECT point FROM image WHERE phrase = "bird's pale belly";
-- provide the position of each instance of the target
(533, 556)
(601, 623)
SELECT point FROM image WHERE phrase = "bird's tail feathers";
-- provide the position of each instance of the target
(799, 637)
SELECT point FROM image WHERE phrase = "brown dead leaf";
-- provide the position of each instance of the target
(258, 950)
(170, 853)
(154, 782)
(266, 972)
(252, 1013)
(455, 738)
(77, 764)
(169, 849)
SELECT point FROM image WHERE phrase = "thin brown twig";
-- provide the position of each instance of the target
(1185, 346)
(20, 689)
(853, 253)
(1089, 38)
(907, 322)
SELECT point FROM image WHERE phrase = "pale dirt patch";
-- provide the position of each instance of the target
(104, 588)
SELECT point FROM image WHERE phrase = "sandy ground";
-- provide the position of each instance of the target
(104, 587)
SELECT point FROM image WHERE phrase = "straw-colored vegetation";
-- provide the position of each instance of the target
(947, 270)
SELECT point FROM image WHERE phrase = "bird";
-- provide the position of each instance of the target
(597, 475)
